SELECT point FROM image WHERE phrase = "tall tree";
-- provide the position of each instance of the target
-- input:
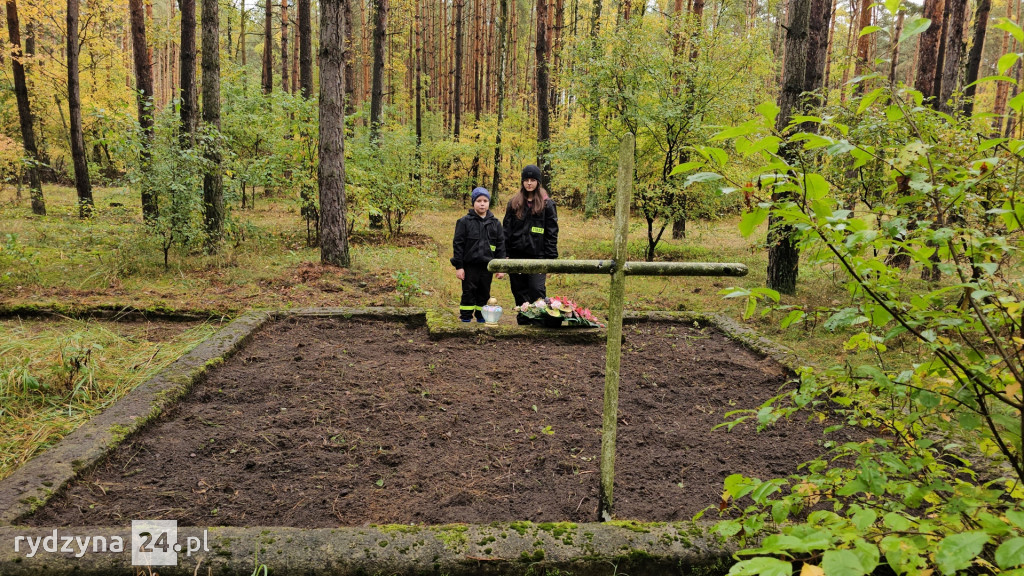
(82, 184)
(350, 80)
(333, 232)
(305, 50)
(594, 107)
(144, 98)
(457, 76)
(863, 46)
(974, 57)
(954, 52)
(189, 97)
(284, 46)
(928, 50)
(28, 136)
(267, 77)
(783, 252)
(543, 104)
(418, 22)
(213, 180)
(380, 27)
(500, 72)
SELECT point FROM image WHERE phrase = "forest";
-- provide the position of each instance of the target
(864, 157)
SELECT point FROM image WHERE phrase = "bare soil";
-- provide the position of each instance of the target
(331, 422)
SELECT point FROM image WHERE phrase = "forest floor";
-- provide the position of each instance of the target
(328, 422)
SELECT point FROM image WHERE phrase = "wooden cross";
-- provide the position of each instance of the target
(624, 193)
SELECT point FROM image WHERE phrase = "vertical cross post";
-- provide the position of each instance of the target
(613, 354)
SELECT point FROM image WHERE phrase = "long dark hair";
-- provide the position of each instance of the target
(518, 202)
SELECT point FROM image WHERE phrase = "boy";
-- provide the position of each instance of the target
(478, 239)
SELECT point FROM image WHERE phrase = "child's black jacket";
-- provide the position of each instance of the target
(477, 240)
(533, 236)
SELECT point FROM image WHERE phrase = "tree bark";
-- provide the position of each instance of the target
(928, 50)
(817, 44)
(189, 98)
(380, 26)
(863, 47)
(594, 109)
(418, 22)
(543, 105)
(82, 185)
(267, 77)
(457, 73)
(28, 136)
(783, 253)
(974, 57)
(500, 81)
(895, 56)
(305, 50)
(333, 231)
(954, 53)
(213, 180)
(144, 99)
(284, 46)
(350, 80)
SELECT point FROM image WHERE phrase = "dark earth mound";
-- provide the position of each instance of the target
(328, 422)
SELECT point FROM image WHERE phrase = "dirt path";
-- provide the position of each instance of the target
(324, 422)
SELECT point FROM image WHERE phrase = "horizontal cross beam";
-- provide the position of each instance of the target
(527, 266)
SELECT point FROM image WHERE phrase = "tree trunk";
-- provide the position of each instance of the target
(1002, 87)
(863, 47)
(28, 136)
(242, 15)
(928, 50)
(500, 82)
(333, 231)
(284, 46)
(213, 180)
(817, 44)
(305, 51)
(350, 80)
(974, 58)
(457, 73)
(543, 105)
(380, 26)
(295, 60)
(82, 184)
(189, 105)
(895, 57)
(593, 111)
(419, 80)
(144, 86)
(954, 52)
(783, 253)
(267, 76)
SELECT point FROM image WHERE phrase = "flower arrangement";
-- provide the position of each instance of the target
(557, 309)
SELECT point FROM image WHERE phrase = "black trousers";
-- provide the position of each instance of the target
(528, 287)
(476, 290)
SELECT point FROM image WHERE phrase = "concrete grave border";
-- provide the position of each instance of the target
(500, 548)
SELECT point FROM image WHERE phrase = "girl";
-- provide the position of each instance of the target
(531, 231)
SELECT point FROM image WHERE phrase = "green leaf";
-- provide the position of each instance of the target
(769, 111)
(1010, 553)
(764, 565)
(868, 30)
(793, 317)
(701, 177)
(686, 167)
(870, 99)
(822, 208)
(913, 27)
(1017, 102)
(744, 129)
(896, 522)
(842, 563)
(894, 113)
(1015, 516)
(958, 551)
(1006, 61)
(864, 518)
(1009, 26)
(817, 186)
(751, 220)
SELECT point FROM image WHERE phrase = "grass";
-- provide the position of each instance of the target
(56, 374)
(58, 259)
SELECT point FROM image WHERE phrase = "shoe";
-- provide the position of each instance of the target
(466, 319)
(523, 320)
